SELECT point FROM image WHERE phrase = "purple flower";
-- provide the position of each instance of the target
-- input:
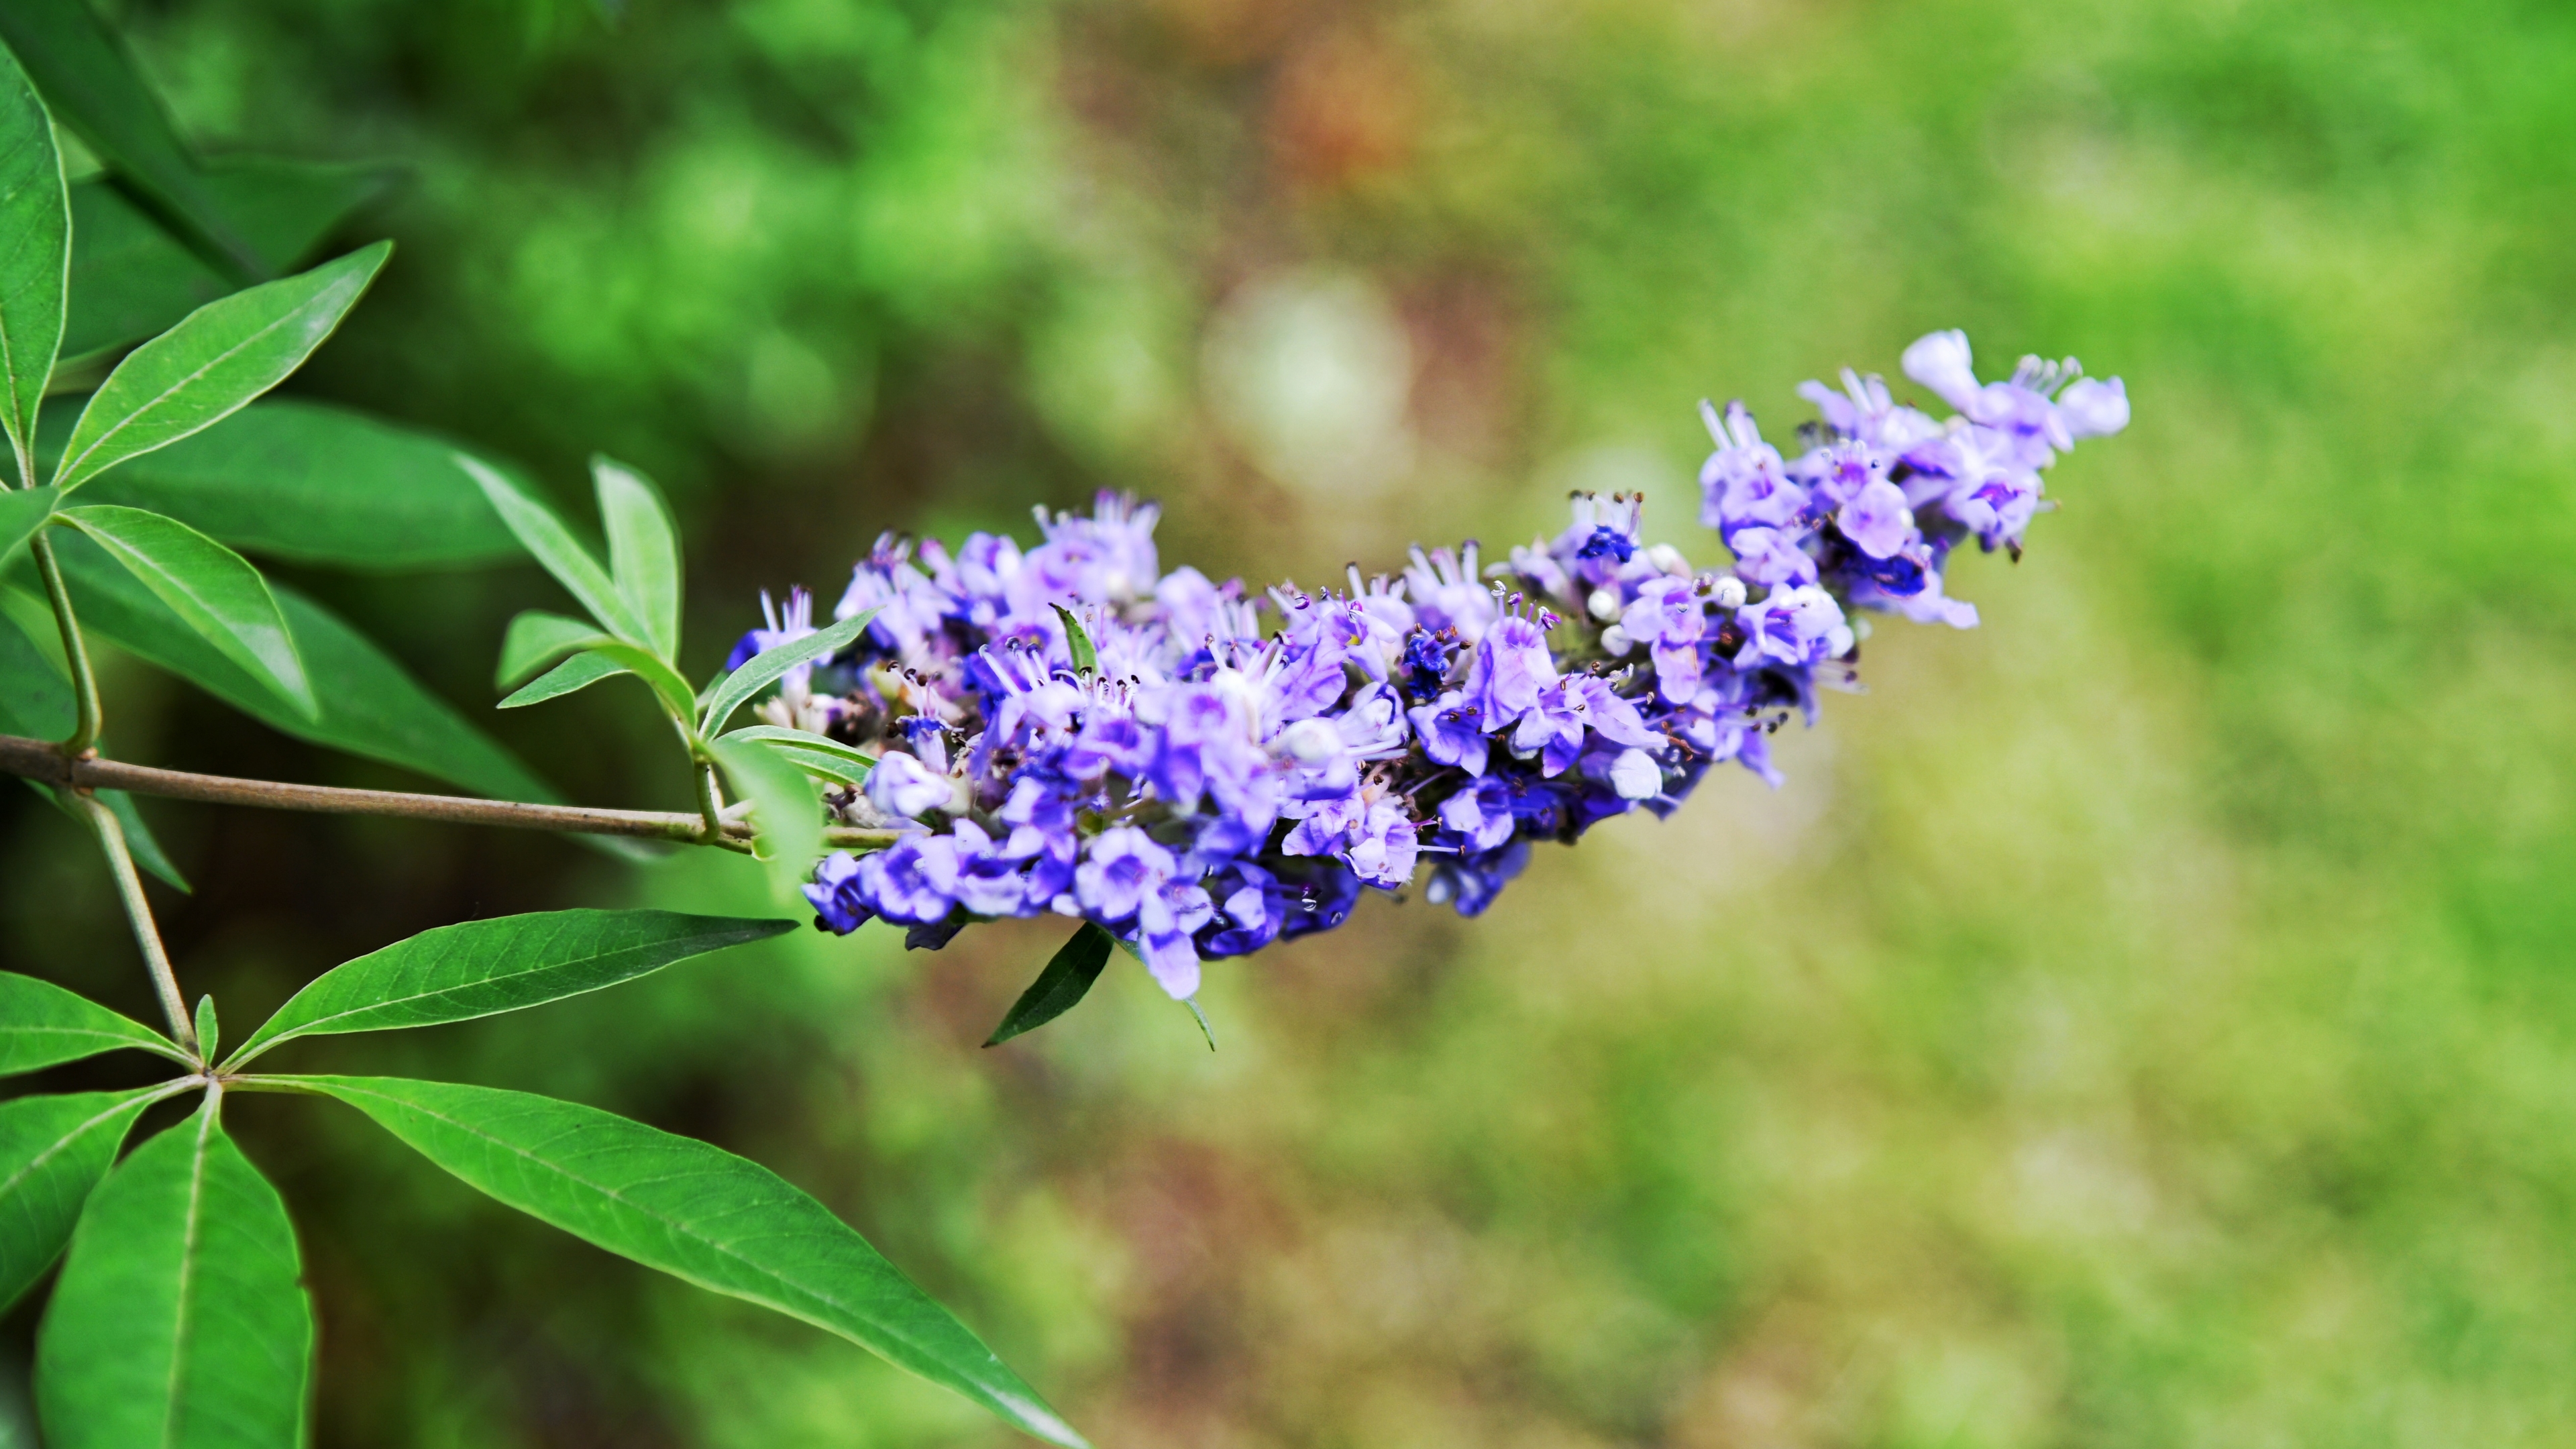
(835, 895)
(1877, 521)
(1165, 919)
(1470, 884)
(1512, 666)
(1122, 868)
(1771, 559)
(1744, 484)
(1452, 730)
(1481, 814)
(901, 882)
(1447, 593)
(1795, 627)
(1668, 619)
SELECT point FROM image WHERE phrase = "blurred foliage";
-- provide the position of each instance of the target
(2142, 1020)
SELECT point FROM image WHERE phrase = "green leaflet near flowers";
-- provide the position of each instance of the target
(43, 1025)
(482, 968)
(53, 1151)
(817, 755)
(180, 1320)
(1068, 977)
(765, 668)
(213, 363)
(643, 552)
(91, 84)
(544, 535)
(212, 589)
(579, 672)
(35, 257)
(371, 706)
(698, 1213)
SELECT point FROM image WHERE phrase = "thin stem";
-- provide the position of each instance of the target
(138, 910)
(37, 760)
(84, 681)
(711, 821)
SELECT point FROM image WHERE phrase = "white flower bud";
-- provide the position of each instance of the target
(1310, 741)
(1615, 641)
(1636, 776)
(1604, 604)
(1727, 592)
(1668, 559)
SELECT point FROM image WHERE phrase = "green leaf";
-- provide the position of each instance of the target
(210, 1032)
(817, 755)
(787, 813)
(643, 552)
(764, 668)
(91, 85)
(42, 1025)
(537, 639)
(1077, 642)
(372, 708)
(1066, 980)
(53, 1151)
(36, 703)
(22, 512)
(606, 656)
(577, 673)
(35, 256)
(132, 279)
(179, 1321)
(696, 1212)
(318, 484)
(210, 587)
(482, 968)
(212, 364)
(545, 536)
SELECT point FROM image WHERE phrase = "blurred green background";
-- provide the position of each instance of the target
(2144, 1020)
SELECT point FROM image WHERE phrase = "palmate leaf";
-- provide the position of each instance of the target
(132, 279)
(1068, 978)
(314, 484)
(213, 363)
(212, 589)
(765, 668)
(563, 556)
(372, 707)
(643, 552)
(179, 1321)
(92, 86)
(482, 968)
(696, 1212)
(35, 256)
(43, 1025)
(53, 1151)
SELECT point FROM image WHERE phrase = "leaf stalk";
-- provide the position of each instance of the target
(138, 910)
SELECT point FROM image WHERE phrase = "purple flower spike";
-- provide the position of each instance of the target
(1241, 764)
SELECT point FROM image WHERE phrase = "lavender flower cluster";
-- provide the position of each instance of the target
(1236, 767)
